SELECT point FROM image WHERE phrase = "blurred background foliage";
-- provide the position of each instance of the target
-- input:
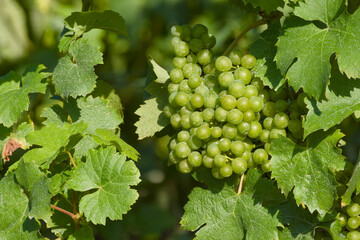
(29, 34)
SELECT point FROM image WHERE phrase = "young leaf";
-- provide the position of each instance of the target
(304, 50)
(268, 6)
(74, 74)
(307, 170)
(110, 178)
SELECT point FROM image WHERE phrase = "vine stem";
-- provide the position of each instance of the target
(73, 216)
(71, 159)
(241, 184)
(251, 26)
(75, 212)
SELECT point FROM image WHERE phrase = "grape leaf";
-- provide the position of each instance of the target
(221, 213)
(54, 115)
(109, 176)
(343, 98)
(84, 233)
(74, 74)
(58, 224)
(107, 20)
(353, 184)
(157, 74)
(13, 98)
(29, 230)
(264, 50)
(307, 169)
(304, 50)
(268, 6)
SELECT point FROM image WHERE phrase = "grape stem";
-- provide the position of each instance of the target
(251, 26)
(241, 184)
(71, 159)
(73, 216)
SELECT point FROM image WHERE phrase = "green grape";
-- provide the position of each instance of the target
(176, 75)
(274, 133)
(274, 96)
(210, 100)
(181, 98)
(223, 64)
(184, 167)
(353, 210)
(209, 68)
(353, 235)
(268, 123)
(196, 100)
(256, 104)
(250, 162)
(195, 159)
(243, 127)
(264, 136)
(173, 88)
(172, 143)
(215, 171)
(269, 109)
(168, 111)
(196, 119)
(194, 81)
(182, 150)
(190, 69)
(184, 87)
(281, 105)
(226, 170)
(220, 114)
(194, 142)
(249, 116)
(203, 91)
(266, 167)
(209, 40)
(243, 74)
(239, 165)
(240, 137)
(175, 120)
(224, 144)
(216, 132)
(267, 147)
(234, 116)
(176, 30)
(185, 121)
(235, 57)
(191, 58)
(246, 155)
(243, 104)
(264, 95)
(174, 41)
(204, 57)
(353, 223)
(248, 61)
(260, 156)
(250, 91)
(294, 125)
(237, 88)
(281, 120)
(229, 130)
(210, 81)
(196, 45)
(219, 160)
(198, 30)
(181, 49)
(342, 218)
(184, 111)
(255, 129)
(203, 132)
(300, 100)
(173, 159)
(225, 79)
(249, 144)
(258, 83)
(238, 148)
(183, 136)
(179, 62)
(208, 114)
(207, 161)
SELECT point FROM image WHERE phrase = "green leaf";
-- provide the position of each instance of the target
(264, 50)
(109, 177)
(84, 233)
(343, 98)
(13, 98)
(305, 49)
(83, 146)
(29, 230)
(221, 213)
(74, 74)
(157, 74)
(353, 184)
(107, 20)
(54, 115)
(268, 6)
(307, 169)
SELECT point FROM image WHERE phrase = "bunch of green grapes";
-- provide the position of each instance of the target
(349, 219)
(225, 118)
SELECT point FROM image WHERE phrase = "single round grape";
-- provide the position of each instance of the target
(173, 159)
(189, 70)
(176, 75)
(234, 116)
(239, 165)
(243, 127)
(225, 79)
(264, 136)
(196, 45)
(269, 109)
(184, 86)
(172, 143)
(256, 104)
(342, 218)
(353, 235)
(194, 142)
(181, 98)
(266, 166)
(268, 123)
(224, 144)
(220, 160)
(250, 162)
(184, 111)
(250, 91)
(238, 148)
(203, 132)
(183, 136)
(223, 64)
(267, 147)
(184, 167)
(281, 105)
(220, 114)
(301, 100)
(353, 223)
(185, 121)
(195, 159)
(181, 49)
(216, 132)
(175, 120)
(174, 41)
(260, 156)
(204, 57)
(210, 100)
(198, 30)
(235, 57)
(294, 125)
(243, 104)
(274, 133)
(208, 114)
(209, 40)
(168, 111)
(203, 91)
(249, 116)
(191, 58)
(237, 88)
(353, 210)
(264, 95)
(211, 81)
(176, 30)
(229, 130)
(182, 150)
(246, 155)
(255, 129)
(215, 171)
(258, 83)
(173, 88)
(209, 68)
(226, 170)
(240, 137)
(249, 144)
(281, 120)
(194, 81)
(196, 119)
(207, 161)
(179, 62)
(196, 100)
(248, 61)
(243, 74)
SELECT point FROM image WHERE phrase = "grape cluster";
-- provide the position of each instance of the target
(349, 219)
(225, 118)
